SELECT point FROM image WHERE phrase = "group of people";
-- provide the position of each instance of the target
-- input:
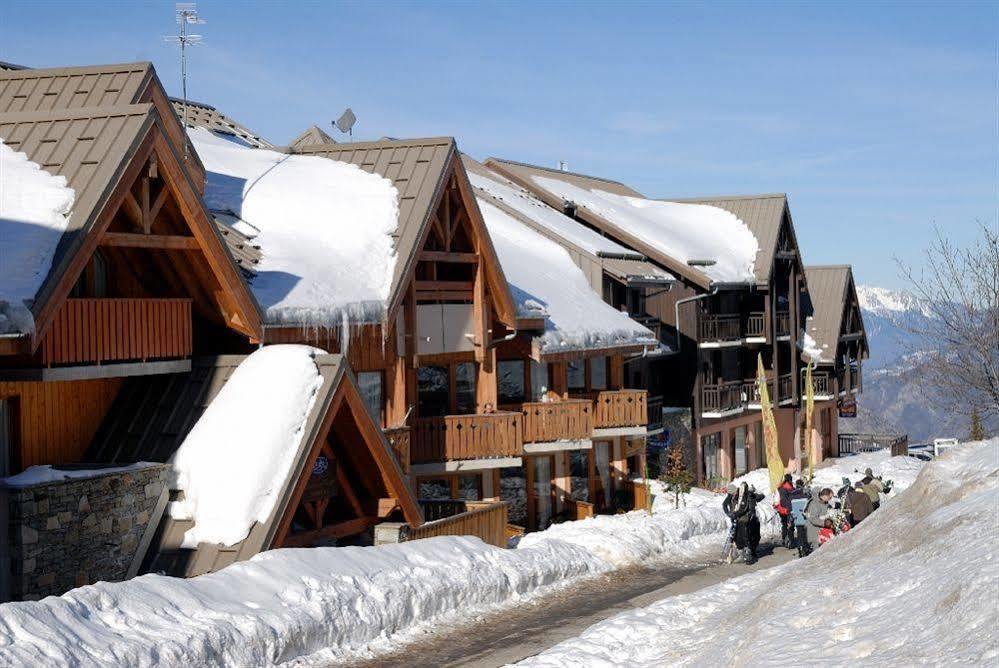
(808, 520)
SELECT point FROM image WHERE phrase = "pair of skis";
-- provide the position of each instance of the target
(728, 553)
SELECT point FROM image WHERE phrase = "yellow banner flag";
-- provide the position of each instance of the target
(809, 409)
(774, 462)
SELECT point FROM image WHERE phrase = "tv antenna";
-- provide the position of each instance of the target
(345, 123)
(186, 14)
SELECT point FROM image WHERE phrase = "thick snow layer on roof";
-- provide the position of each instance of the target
(544, 281)
(324, 229)
(914, 584)
(542, 214)
(44, 473)
(682, 231)
(236, 460)
(810, 350)
(34, 212)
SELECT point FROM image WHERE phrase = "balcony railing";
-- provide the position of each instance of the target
(544, 422)
(783, 324)
(756, 325)
(785, 385)
(398, 438)
(721, 397)
(112, 330)
(620, 408)
(719, 328)
(897, 444)
(454, 437)
(751, 391)
(822, 382)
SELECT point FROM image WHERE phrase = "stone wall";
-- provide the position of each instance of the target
(74, 532)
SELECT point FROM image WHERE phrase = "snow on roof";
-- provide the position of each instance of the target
(44, 473)
(325, 229)
(810, 350)
(684, 232)
(236, 461)
(34, 212)
(542, 214)
(544, 281)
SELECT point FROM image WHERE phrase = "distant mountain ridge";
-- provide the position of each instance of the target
(894, 399)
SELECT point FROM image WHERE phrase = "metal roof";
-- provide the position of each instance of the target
(313, 135)
(636, 271)
(154, 414)
(582, 180)
(830, 289)
(206, 116)
(762, 214)
(73, 87)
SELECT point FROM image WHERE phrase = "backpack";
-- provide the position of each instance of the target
(798, 510)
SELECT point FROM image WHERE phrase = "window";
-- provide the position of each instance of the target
(539, 381)
(370, 385)
(709, 454)
(741, 455)
(432, 391)
(577, 375)
(465, 399)
(510, 382)
(598, 373)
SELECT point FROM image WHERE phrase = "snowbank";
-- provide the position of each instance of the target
(324, 228)
(544, 281)
(236, 460)
(682, 231)
(34, 212)
(915, 583)
(44, 473)
(281, 605)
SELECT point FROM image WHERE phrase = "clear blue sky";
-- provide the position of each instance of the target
(878, 120)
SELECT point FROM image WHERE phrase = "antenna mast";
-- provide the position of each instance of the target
(186, 13)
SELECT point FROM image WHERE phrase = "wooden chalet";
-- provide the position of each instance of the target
(140, 281)
(722, 326)
(837, 327)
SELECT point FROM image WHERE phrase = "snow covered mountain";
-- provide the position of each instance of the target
(894, 399)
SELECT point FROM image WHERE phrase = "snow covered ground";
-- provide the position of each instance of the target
(916, 583)
(326, 604)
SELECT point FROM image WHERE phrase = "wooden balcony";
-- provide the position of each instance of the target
(92, 331)
(456, 437)
(655, 413)
(719, 328)
(822, 382)
(751, 392)
(785, 386)
(545, 422)
(756, 325)
(721, 397)
(399, 440)
(620, 408)
(783, 323)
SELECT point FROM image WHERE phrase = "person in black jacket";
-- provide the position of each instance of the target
(740, 506)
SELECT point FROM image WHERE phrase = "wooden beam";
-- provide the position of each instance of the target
(386, 506)
(161, 241)
(132, 208)
(451, 296)
(444, 256)
(340, 530)
(426, 286)
(146, 222)
(348, 491)
(154, 210)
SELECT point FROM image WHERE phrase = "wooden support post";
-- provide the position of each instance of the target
(532, 495)
(616, 379)
(558, 379)
(455, 487)
(591, 465)
(485, 384)
(563, 481)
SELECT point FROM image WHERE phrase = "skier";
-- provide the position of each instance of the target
(783, 508)
(753, 523)
(872, 487)
(741, 508)
(728, 507)
(858, 504)
(815, 515)
(799, 499)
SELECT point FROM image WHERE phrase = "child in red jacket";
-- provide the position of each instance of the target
(827, 532)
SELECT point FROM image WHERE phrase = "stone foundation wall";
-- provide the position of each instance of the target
(70, 533)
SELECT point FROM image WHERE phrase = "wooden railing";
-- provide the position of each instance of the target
(438, 509)
(822, 382)
(578, 510)
(850, 444)
(751, 391)
(398, 438)
(638, 495)
(721, 397)
(455, 437)
(107, 330)
(785, 385)
(570, 419)
(620, 408)
(719, 328)
(783, 324)
(756, 324)
(655, 413)
(484, 520)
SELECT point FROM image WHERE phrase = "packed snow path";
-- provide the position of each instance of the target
(507, 636)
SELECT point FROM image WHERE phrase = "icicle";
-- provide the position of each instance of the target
(344, 332)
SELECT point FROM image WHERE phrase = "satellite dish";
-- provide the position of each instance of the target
(346, 121)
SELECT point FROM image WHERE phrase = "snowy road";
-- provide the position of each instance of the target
(512, 635)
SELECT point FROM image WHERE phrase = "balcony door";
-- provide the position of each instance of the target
(446, 389)
(5, 438)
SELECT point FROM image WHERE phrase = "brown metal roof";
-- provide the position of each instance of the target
(73, 87)
(831, 290)
(206, 116)
(526, 171)
(762, 214)
(635, 271)
(154, 414)
(312, 136)
(244, 251)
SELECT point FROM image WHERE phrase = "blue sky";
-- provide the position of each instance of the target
(878, 119)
